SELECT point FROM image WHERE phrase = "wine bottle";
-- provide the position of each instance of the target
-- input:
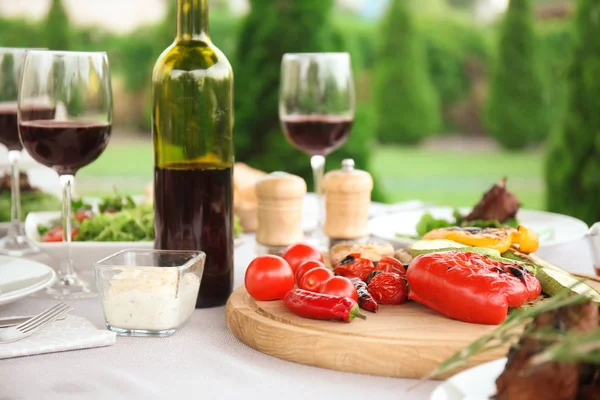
(192, 123)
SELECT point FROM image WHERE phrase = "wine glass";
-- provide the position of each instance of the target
(316, 109)
(65, 120)
(15, 243)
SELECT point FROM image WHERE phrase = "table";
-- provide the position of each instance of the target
(202, 361)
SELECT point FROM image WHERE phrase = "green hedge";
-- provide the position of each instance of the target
(517, 114)
(573, 181)
(408, 108)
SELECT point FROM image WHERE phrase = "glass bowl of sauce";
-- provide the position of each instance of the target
(149, 292)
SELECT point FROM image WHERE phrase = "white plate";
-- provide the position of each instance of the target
(84, 253)
(553, 228)
(477, 383)
(20, 277)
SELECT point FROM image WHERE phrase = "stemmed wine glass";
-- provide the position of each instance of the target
(316, 109)
(76, 87)
(16, 242)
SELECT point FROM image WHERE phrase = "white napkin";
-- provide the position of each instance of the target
(72, 333)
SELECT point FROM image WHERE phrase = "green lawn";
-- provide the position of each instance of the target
(453, 177)
(458, 178)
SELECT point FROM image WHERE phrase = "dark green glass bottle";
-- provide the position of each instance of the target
(192, 123)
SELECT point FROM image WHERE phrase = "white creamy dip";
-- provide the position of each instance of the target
(146, 298)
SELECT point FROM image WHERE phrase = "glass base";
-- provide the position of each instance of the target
(70, 288)
(17, 246)
(140, 332)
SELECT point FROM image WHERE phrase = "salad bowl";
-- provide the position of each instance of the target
(84, 253)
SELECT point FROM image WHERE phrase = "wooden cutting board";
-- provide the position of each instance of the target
(406, 341)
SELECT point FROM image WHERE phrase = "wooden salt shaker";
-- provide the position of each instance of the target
(280, 198)
(347, 201)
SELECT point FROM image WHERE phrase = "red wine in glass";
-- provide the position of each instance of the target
(65, 146)
(9, 129)
(317, 134)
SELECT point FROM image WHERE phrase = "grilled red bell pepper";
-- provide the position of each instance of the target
(321, 306)
(470, 287)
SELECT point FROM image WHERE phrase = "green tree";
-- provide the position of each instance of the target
(573, 162)
(57, 27)
(516, 113)
(272, 28)
(408, 107)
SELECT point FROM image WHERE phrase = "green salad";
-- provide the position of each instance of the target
(119, 219)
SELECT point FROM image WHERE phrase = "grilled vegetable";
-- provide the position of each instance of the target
(354, 266)
(388, 288)
(470, 287)
(369, 250)
(499, 239)
(390, 264)
(321, 306)
(365, 300)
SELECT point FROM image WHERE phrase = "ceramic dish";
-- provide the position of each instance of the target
(20, 277)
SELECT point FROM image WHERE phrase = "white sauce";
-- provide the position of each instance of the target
(144, 298)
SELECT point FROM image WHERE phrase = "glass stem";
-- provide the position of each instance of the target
(318, 167)
(66, 272)
(15, 194)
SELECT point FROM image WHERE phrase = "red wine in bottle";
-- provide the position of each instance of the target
(193, 151)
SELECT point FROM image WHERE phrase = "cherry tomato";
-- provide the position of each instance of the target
(353, 266)
(340, 286)
(390, 264)
(388, 288)
(315, 278)
(82, 215)
(296, 254)
(307, 266)
(56, 235)
(269, 278)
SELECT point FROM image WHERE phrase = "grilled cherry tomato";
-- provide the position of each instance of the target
(56, 235)
(296, 254)
(340, 286)
(353, 266)
(315, 278)
(307, 266)
(388, 288)
(269, 277)
(390, 264)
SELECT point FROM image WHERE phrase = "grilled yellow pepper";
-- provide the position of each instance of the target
(490, 238)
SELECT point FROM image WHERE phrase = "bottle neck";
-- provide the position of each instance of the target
(192, 19)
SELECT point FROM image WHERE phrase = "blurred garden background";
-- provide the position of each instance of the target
(452, 94)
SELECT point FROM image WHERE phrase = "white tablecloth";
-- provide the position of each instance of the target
(202, 361)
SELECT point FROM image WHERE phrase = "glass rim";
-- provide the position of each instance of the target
(20, 49)
(66, 52)
(316, 54)
(195, 256)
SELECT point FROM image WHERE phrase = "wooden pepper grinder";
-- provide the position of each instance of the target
(280, 197)
(347, 201)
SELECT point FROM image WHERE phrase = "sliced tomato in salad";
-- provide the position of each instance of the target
(82, 215)
(56, 235)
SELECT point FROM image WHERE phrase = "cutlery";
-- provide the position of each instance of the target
(34, 324)
(14, 321)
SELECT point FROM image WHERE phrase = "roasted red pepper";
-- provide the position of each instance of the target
(353, 266)
(321, 306)
(470, 287)
(390, 264)
(365, 300)
(388, 288)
